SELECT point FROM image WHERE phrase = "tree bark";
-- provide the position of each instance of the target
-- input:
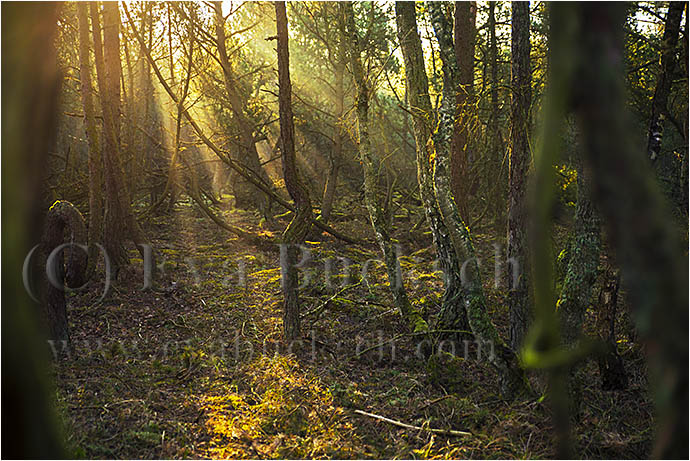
(517, 252)
(335, 156)
(373, 192)
(582, 264)
(611, 369)
(461, 181)
(511, 377)
(669, 42)
(94, 158)
(62, 216)
(453, 315)
(497, 184)
(246, 194)
(119, 220)
(648, 248)
(299, 227)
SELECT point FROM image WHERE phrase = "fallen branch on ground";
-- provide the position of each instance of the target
(417, 428)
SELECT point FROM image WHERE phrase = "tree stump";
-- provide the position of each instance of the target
(63, 220)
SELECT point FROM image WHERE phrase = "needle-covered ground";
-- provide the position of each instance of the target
(195, 367)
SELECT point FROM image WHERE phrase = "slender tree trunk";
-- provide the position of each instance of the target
(335, 157)
(461, 181)
(511, 377)
(520, 159)
(246, 195)
(665, 79)
(497, 184)
(453, 315)
(299, 227)
(94, 159)
(373, 192)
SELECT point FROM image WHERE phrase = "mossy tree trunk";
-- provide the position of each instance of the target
(374, 194)
(654, 268)
(519, 300)
(452, 315)
(583, 262)
(299, 227)
(511, 377)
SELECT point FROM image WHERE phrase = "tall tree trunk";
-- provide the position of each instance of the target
(374, 194)
(654, 268)
(94, 159)
(461, 181)
(453, 315)
(119, 220)
(520, 159)
(299, 226)
(30, 91)
(335, 156)
(246, 195)
(665, 79)
(511, 377)
(497, 184)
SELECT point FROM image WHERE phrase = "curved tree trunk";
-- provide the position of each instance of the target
(511, 377)
(453, 315)
(373, 192)
(299, 227)
(247, 196)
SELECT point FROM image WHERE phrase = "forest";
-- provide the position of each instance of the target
(346, 230)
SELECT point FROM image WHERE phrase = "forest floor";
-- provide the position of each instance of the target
(195, 367)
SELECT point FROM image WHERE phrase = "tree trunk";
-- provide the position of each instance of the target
(665, 79)
(247, 196)
(62, 216)
(119, 221)
(496, 182)
(461, 182)
(582, 264)
(94, 159)
(335, 156)
(373, 193)
(453, 315)
(652, 259)
(611, 369)
(520, 159)
(299, 227)
(512, 379)
(30, 91)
